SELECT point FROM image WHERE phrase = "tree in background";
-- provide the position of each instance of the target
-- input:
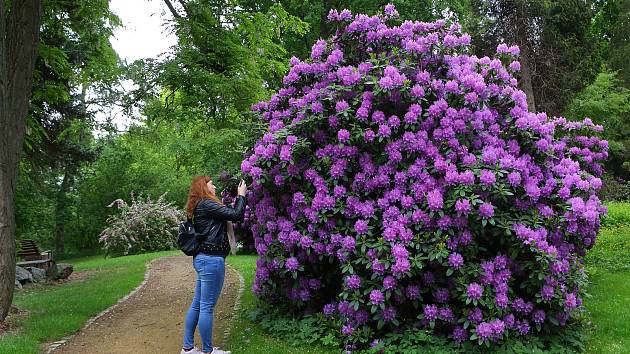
(571, 54)
(75, 66)
(613, 22)
(19, 36)
(560, 51)
(606, 99)
(224, 59)
(559, 55)
(607, 102)
(151, 160)
(195, 100)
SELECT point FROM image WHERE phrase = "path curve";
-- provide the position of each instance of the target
(151, 320)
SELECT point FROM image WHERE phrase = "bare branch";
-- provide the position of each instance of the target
(172, 9)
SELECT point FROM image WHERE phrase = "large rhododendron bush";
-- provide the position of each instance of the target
(404, 183)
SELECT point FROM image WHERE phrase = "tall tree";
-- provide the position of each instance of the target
(19, 37)
(558, 54)
(224, 58)
(227, 58)
(75, 57)
(613, 25)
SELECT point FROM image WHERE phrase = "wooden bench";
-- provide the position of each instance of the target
(32, 256)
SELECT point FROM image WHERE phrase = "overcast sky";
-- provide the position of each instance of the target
(143, 34)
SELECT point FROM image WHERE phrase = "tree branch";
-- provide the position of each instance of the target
(186, 10)
(172, 9)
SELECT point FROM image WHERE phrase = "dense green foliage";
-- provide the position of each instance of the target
(75, 57)
(152, 160)
(614, 21)
(607, 102)
(194, 102)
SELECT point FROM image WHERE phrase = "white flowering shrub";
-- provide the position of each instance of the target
(144, 226)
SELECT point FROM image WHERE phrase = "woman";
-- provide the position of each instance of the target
(210, 217)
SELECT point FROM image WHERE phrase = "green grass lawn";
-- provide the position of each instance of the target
(608, 263)
(618, 215)
(610, 311)
(53, 312)
(248, 337)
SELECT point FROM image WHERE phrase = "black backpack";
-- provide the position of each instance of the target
(188, 240)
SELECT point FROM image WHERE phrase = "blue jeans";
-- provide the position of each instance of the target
(210, 274)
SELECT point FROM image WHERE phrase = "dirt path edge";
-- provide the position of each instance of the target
(52, 347)
(237, 304)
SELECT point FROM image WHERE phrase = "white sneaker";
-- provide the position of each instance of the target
(194, 350)
(216, 350)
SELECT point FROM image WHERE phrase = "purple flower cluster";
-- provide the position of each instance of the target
(455, 260)
(353, 281)
(400, 172)
(490, 330)
(474, 291)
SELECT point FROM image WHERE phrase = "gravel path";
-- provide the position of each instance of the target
(152, 319)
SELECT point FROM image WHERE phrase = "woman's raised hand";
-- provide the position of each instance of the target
(242, 188)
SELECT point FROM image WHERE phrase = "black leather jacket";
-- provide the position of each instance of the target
(213, 216)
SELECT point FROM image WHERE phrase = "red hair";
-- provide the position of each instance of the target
(199, 190)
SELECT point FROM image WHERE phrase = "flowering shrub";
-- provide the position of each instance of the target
(143, 226)
(403, 183)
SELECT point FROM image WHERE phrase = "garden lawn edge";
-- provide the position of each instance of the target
(57, 344)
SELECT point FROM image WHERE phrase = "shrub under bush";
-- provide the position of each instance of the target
(144, 226)
(403, 183)
(614, 189)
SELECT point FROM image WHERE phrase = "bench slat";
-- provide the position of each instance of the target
(32, 255)
(33, 262)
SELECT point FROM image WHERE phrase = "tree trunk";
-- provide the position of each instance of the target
(19, 37)
(324, 29)
(525, 83)
(522, 25)
(60, 208)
